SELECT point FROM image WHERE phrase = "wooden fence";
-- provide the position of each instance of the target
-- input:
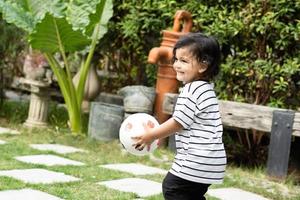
(281, 123)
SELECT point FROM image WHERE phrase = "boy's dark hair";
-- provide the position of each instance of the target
(206, 49)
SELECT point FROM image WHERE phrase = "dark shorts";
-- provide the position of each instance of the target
(175, 188)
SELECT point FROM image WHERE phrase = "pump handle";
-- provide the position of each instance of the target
(186, 17)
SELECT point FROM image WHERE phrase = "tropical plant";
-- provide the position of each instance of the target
(62, 26)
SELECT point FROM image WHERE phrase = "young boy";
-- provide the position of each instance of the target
(196, 122)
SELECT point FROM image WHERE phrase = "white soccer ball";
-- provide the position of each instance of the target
(133, 126)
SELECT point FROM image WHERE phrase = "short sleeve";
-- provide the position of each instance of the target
(185, 107)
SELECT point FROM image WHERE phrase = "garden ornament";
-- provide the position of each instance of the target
(36, 67)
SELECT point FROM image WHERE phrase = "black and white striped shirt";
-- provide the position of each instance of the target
(200, 153)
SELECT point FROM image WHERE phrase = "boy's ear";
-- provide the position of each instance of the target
(203, 68)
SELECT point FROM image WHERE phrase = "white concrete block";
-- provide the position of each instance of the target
(2, 142)
(233, 194)
(58, 148)
(38, 176)
(8, 131)
(49, 160)
(26, 194)
(141, 187)
(134, 168)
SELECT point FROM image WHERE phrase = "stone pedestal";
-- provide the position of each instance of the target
(38, 111)
(39, 103)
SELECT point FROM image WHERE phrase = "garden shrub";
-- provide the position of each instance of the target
(14, 112)
(259, 39)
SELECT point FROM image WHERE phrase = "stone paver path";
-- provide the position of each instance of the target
(38, 176)
(8, 131)
(234, 194)
(26, 194)
(49, 160)
(58, 148)
(141, 187)
(135, 168)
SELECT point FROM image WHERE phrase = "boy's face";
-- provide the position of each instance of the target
(187, 68)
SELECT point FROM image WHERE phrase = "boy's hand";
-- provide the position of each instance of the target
(144, 140)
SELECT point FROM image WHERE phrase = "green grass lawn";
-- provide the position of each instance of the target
(99, 153)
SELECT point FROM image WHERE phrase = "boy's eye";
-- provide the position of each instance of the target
(180, 60)
(184, 61)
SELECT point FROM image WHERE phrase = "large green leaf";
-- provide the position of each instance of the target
(52, 33)
(25, 14)
(86, 14)
(17, 15)
(21, 3)
(38, 8)
(104, 12)
(78, 12)
(95, 29)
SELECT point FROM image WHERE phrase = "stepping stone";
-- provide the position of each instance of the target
(2, 142)
(58, 148)
(26, 194)
(16, 96)
(141, 187)
(49, 160)
(8, 131)
(134, 168)
(36, 176)
(233, 194)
